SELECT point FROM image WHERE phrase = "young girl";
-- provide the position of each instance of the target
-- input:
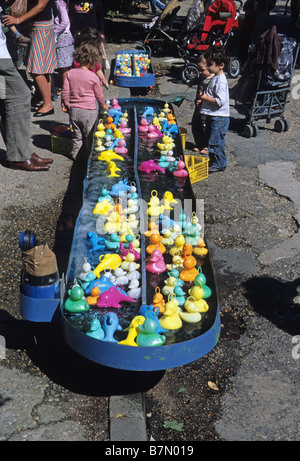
(92, 36)
(64, 38)
(199, 129)
(81, 88)
(215, 105)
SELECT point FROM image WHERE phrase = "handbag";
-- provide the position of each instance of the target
(18, 8)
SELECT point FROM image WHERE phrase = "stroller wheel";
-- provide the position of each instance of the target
(189, 73)
(281, 125)
(248, 131)
(234, 67)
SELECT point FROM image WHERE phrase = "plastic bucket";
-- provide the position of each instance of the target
(183, 132)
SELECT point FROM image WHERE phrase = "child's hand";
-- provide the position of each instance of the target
(105, 83)
(64, 108)
(105, 106)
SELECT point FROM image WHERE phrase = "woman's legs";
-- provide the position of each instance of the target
(43, 82)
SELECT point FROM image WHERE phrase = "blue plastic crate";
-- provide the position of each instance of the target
(147, 80)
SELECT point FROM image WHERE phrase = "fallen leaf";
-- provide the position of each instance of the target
(173, 425)
(181, 389)
(120, 415)
(213, 386)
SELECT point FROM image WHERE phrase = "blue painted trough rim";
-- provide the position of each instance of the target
(138, 358)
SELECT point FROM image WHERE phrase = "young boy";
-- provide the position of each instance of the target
(199, 129)
(215, 105)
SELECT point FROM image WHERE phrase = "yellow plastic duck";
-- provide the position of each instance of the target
(192, 315)
(155, 122)
(200, 249)
(154, 208)
(115, 217)
(169, 200)
(132, 221)
(161, 116)
(169, 286)
(176, 262)
(179, 243)
(128, 259)
(166, 108)
(167, 240)
(118, 134)
(200, 304)
(133, 331)
(99, 145)
(103, 207)
(170, 319)
(197, 293)
(124, 234)
(100, 133)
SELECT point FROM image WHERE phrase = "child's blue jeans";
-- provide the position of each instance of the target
(217, 128)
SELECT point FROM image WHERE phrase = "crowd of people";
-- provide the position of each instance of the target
(69, 38)
(63, 35)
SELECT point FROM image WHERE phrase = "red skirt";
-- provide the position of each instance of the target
(42, 54)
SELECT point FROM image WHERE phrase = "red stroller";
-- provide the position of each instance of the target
(220, 23)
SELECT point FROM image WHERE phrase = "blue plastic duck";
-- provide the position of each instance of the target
(150, 310)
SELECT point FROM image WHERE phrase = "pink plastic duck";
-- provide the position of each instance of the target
(156, 264)
(143, 127)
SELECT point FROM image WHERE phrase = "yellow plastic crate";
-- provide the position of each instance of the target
(61, 145)
(197, 167)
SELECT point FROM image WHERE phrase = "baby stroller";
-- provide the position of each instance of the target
(164, 29)
(221, 22)
(263, 89)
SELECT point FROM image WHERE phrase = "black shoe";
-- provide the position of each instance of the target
(44, 114)
(214, 169)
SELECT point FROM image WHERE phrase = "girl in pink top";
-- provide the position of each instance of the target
(81, 93)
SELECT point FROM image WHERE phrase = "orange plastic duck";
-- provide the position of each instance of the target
(155, 240)
(190, 272)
